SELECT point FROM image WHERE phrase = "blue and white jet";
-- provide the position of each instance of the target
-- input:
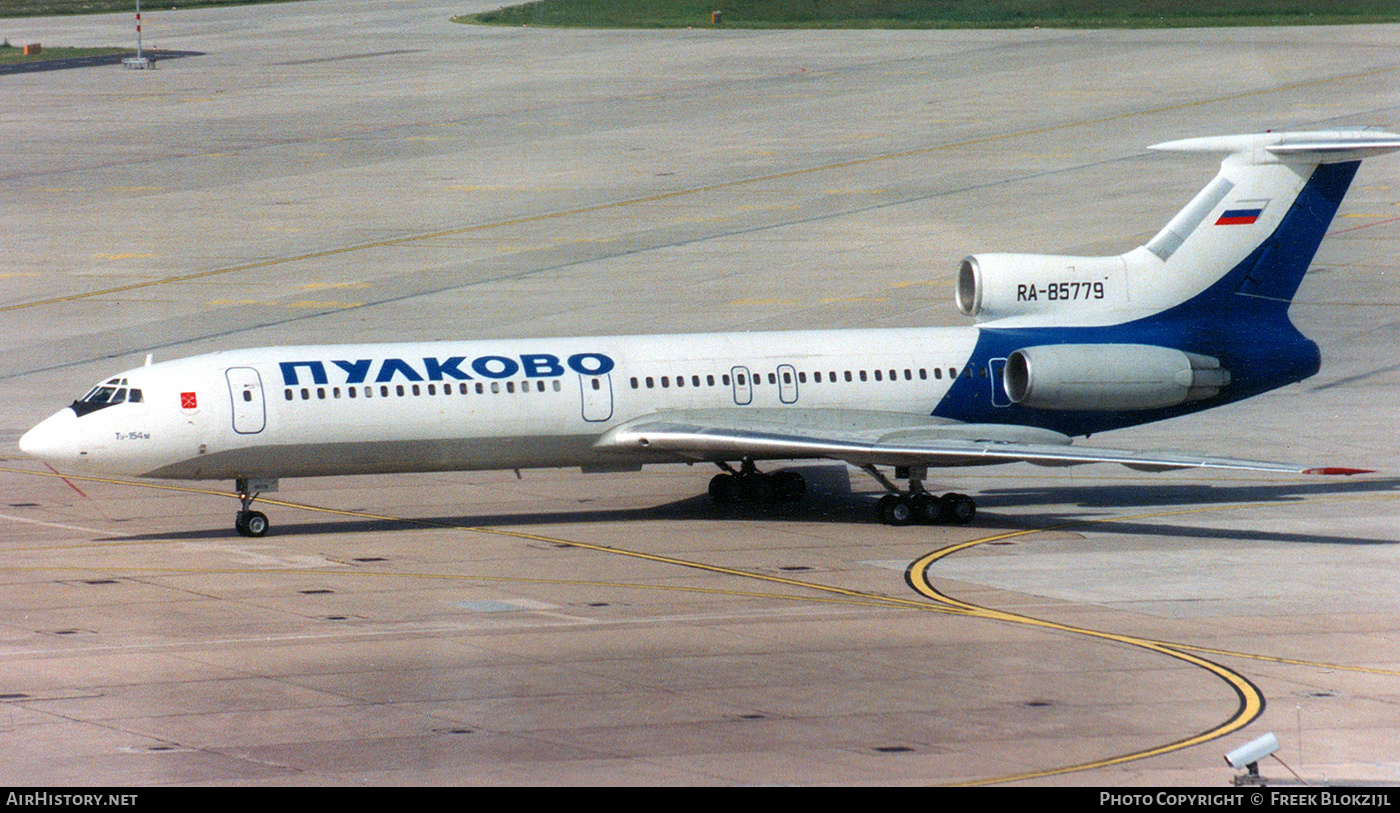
(1062, 347)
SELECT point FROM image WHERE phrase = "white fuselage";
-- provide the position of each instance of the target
(366, 408)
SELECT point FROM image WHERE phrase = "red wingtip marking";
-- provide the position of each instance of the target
(1338, 470)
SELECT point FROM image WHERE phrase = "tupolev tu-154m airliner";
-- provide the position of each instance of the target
(1062, 347)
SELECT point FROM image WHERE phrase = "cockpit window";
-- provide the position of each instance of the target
(100, 395)
(109, 393)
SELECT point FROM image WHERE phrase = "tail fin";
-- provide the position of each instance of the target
(1244, 241)
(1255, 228)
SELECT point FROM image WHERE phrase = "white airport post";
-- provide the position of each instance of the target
(138, 62)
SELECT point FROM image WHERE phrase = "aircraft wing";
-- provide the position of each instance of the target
(864, 438)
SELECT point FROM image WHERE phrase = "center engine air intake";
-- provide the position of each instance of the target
(1110, 377)
(995, 286)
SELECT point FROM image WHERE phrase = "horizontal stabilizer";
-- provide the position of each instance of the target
(1316, 147)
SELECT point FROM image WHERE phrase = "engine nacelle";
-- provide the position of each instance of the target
(1109, 377)
(994, 286)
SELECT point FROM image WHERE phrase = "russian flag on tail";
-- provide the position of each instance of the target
(1239, 217)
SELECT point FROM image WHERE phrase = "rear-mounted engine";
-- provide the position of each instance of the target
(1110, 377)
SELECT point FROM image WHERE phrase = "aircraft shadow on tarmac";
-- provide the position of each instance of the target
(1163, 495)
(69, 63)
(831, 499)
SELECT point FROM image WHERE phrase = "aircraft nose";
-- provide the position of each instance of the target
(54, 440)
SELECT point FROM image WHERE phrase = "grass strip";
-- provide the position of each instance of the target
(12, 55)
(937, 13)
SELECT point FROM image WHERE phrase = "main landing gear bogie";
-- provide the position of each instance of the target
(916, 506)
(922, 508)
(912, 507)
(748, 485)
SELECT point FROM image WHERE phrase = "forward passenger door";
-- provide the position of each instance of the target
(246, 392)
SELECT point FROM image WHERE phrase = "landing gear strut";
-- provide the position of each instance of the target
(248, 522)
(748, 484)
(917, 505)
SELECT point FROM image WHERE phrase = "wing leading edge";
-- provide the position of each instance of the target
(864, 438)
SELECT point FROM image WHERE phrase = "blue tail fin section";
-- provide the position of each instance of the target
(1276, 269)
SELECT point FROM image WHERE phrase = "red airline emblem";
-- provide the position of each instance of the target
(188, 401)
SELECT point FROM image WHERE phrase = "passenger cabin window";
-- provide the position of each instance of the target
(111, 393)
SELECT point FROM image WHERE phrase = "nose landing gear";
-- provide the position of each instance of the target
(249, 522)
